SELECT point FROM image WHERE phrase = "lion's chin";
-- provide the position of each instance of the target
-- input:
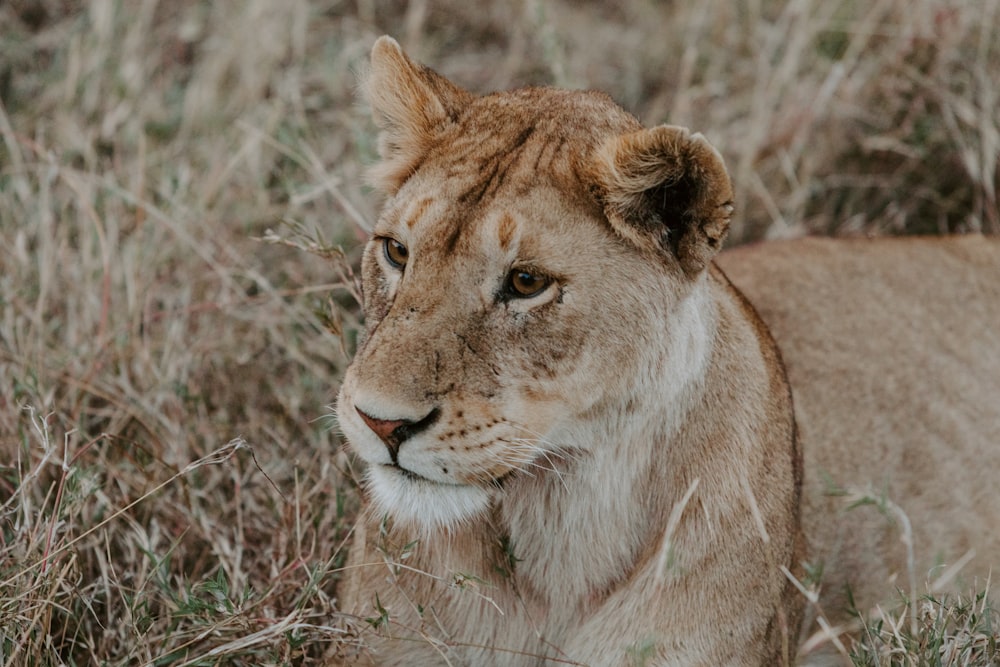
(423, 503)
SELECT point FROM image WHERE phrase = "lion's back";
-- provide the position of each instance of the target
(892, 349)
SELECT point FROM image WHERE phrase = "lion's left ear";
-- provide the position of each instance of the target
(410, 104)
(667, 188)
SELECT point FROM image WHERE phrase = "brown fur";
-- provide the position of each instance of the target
(607, 470)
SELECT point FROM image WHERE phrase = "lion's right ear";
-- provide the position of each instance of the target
(410, 104)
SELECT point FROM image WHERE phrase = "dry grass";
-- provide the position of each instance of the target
(950, 630)
(170, 489)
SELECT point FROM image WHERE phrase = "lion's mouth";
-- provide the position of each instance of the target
(415, 477)
(408, 474)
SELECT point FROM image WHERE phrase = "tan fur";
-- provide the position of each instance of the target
(893, 350)
(606, 472)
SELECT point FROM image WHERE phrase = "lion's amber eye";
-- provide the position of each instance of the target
(395, 252)
(524, 284)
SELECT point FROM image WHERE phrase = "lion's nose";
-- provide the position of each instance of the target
(393, 432)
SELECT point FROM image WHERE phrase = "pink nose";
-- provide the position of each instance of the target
(385, 429)
(393, 432)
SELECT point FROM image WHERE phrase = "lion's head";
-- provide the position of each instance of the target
(536, 269)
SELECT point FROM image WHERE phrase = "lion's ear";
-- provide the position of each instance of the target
(667, 187)
(410, 104)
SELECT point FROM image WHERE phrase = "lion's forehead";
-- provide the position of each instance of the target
(487, 167)
(512, 142)
(507, 168)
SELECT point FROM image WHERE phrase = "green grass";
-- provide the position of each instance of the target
(176, 179)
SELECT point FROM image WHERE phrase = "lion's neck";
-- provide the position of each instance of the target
(579, 531)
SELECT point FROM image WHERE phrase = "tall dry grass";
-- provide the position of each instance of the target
(170, 487)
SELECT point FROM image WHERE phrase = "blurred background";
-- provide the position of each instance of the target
(181, 205)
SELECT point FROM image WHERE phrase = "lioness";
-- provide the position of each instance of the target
(580, 439)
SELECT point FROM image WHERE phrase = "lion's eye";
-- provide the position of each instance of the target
(395, 252)
(524, 284)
